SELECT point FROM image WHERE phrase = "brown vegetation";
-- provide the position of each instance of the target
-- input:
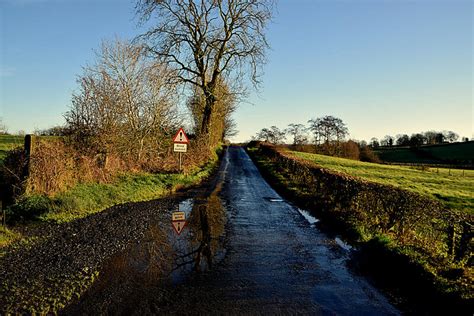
(221, 125)
(55, 166)
(346, 149)
(124, 108)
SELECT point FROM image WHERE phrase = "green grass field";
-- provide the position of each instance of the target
(86, 199)
(9, 142)
(449, 186)
(457, 153)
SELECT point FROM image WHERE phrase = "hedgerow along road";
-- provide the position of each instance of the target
(245, 251)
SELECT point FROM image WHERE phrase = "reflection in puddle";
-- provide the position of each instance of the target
(201, 243)
(343, 244)
(273, 199)
(161, 258)
(186, 206)
(311, 219)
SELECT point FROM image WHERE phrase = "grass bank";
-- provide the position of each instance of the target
(9, 142)
(88, 198)
(406, 234)
(454, 188)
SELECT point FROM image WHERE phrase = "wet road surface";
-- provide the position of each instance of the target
(245, 251)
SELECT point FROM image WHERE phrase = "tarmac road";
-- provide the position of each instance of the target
(245, 251)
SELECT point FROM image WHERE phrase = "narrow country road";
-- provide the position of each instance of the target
(264, 256)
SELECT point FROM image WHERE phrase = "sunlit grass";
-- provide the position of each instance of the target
(453, 187)
(9, 142)
(86, 199)
(89, 198)
(7, 236)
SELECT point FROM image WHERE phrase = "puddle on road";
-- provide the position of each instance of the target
(273, 199)
(343, 244)
(161, 258)
(311, 219)
(200, 245)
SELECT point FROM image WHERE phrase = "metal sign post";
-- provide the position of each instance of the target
(181, 142)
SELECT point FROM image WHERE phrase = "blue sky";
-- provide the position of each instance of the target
(384, 67)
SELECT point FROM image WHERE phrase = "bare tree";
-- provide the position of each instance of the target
(123, 104)
(298, 133)
(222, 124)
(416, 140)
(329, 129)
(272, 135)
(387, 141)
(207, 40)
(403, 140)
(450, 136)
(430, 137)
(374, 143)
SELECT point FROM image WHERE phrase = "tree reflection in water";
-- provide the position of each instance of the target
(203, 242)
(141, 273)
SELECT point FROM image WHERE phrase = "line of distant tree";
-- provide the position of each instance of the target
(328, 137)
(326, 130)
(417, 139)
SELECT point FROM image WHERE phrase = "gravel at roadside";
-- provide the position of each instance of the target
(59, 261)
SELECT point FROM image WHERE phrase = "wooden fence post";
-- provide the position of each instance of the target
(466, 237)
(452, 239)
(4, 215)
(29, 139)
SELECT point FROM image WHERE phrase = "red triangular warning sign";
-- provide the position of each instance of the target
(181, 137)
(178, 226)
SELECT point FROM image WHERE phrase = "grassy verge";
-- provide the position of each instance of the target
(89, 198)
(7, 236)
(86, 199)
(454, 188)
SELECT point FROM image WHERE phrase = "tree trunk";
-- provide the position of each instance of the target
(206, 116)
(206, 119)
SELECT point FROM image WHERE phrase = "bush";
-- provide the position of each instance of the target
(368, 155)
(29, 208)
(12, 175)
